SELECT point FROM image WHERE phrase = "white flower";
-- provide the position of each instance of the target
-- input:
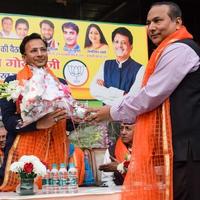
(39, 168)
(29, 159)
(14, 89)
(10, 90)
(120, 168)
(17, 166)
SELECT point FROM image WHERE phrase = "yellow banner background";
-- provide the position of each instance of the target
(11, 62)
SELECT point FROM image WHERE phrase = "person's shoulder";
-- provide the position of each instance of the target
(177, 45)
(179, 48)
(110, 61)
(191, 43)
(135, 62)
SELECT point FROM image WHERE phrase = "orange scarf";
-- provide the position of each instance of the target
(49, 145)
(150, 173)
(121, 150)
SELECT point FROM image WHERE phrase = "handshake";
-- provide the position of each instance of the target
(91, 114)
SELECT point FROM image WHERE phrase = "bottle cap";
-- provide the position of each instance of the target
(54, 166)
(71, 165)
(62, 165)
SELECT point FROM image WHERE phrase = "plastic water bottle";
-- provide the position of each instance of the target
(62, 173)
(54, 179)
(46, 183)
(72, 179)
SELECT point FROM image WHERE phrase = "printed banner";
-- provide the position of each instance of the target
(76, 48)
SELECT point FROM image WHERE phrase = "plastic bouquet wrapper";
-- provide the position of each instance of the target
(90, 135)
(41, 95)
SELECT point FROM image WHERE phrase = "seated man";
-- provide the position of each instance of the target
(115, 154)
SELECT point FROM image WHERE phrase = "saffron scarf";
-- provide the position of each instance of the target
(49, 145)
(121, 150)
(150, 173)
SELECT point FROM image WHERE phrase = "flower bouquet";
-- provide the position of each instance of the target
(41, 95)
(123, 166)
(11, 90)
(28, 167)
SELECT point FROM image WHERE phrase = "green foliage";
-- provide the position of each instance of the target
(23, 174)
(100, 135)
(89, 136)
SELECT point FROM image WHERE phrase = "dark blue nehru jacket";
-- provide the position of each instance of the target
(121, 78)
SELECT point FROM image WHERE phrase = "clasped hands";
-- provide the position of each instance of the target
(91, 115)
(97, 114)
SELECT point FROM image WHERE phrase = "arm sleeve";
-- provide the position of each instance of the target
(174, 64)
(10, 117)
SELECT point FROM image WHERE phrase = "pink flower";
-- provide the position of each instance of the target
(65, 89)
(28, 168)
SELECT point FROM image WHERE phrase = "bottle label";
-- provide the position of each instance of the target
(44, 181)
(55, 181)
(72, 181)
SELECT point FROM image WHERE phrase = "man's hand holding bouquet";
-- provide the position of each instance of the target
(41, 95)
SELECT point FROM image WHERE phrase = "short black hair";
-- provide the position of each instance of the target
(6, 18)
(21, 21)
(174, 9)
(45, 21)
(123, 31)
(70, 25)
(28, 38)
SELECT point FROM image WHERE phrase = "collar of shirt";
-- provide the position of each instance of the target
(120, 63)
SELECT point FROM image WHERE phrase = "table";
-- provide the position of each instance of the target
(85, 193)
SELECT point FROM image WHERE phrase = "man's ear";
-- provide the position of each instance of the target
(131, 47)
(179, 23)
(24, 58)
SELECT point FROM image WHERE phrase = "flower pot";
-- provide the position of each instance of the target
(26, 186)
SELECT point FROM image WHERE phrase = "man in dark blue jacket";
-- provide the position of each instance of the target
(118, 76)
